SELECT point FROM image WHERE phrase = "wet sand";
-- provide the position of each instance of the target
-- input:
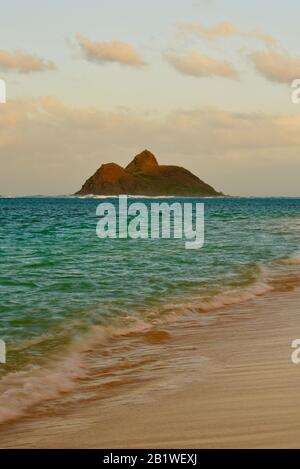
(221, 380)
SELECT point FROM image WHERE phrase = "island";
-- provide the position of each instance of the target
(144, 176)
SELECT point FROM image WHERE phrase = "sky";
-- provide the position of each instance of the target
(204, 84)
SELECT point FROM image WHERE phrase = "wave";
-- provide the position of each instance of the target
(93, 196)
(22, 390)
(35, 384)
(142, 196)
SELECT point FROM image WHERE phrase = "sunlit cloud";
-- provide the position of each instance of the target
(223, 30)
(105, 52)
(275, 66)
(199, 65)
(22, 62)
(268, 39)
(220, 30)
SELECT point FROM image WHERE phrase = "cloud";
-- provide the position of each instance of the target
(268, 39)
(104, 52)
(198, 65)
(275, 66)
(21, 62)
(220, 30)
(223, 30)
(65, 145)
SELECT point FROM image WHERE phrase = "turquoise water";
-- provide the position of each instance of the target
(58, 280)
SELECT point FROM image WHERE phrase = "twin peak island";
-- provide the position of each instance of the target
(144, 176)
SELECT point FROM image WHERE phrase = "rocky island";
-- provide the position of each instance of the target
(144, 176)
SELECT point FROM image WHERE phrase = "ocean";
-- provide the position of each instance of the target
(65, 293)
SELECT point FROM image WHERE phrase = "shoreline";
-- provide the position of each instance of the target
(223, 380)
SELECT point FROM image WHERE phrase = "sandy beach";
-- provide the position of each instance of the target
(223, 380)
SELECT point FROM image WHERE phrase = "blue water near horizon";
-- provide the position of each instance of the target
(58, 279)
